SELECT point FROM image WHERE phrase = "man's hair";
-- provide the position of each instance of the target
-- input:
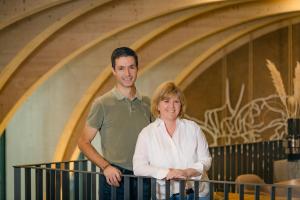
(123, 52)
(165, 91)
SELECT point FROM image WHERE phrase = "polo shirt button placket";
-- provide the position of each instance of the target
(129, 105)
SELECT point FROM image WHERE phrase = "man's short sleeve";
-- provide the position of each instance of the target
(96, 115)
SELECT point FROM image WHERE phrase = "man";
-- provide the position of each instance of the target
(119, 116)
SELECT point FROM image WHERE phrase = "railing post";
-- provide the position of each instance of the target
(101, 181)
(167, 189)
(232, 165)
(249, 151)
(255, 158)
(226, 191)
(66, 182)
(88, 185)
(257, 192)
(182, 189)
(126, 187)
(52, 184)
(93, 188)
(76, 180)
(245, 158)
(227, 162)
(196, 189)
(273, 193)
(153, 188)
(241, 192)
(113, 193)
(17, 183)
(270, 162)
(27, 184)
(289, 193)
(57, 180)
(222, 169)
(140, 188)
(239, 158)
(48, 182)
(84, 180)
(39, 183)
(211, 191)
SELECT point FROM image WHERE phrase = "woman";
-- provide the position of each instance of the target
(172, 147)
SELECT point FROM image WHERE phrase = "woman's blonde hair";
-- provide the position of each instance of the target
(166, 90)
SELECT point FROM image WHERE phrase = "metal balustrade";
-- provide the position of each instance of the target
(80, 180)
(229, 161)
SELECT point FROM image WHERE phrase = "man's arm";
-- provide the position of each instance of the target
(112, 174)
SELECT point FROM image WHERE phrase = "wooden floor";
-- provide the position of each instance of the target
(262, 196)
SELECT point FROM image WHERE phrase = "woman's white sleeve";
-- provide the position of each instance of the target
(203, 162)
(141, 162)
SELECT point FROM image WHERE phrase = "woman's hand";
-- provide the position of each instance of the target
(190, 172)
(182, 173)
(176, 173)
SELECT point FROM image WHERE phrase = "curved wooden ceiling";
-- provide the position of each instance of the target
(30, 59)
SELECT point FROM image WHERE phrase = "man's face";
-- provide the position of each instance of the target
(125, 71)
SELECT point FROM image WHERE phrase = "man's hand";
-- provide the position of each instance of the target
(176, 173)
(112, 175)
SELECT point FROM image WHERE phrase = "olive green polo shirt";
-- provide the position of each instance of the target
(119, 121)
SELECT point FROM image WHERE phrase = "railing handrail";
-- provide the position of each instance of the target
(49, 163)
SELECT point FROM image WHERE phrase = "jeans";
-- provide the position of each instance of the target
(189, 197)
(105, 188)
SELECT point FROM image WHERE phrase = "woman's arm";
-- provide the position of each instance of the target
(203, 162)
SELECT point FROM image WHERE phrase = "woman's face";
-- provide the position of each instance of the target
(169, 108)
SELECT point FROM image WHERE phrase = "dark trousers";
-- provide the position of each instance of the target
(105, 188)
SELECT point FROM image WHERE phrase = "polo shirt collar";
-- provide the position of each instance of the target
(120, 96)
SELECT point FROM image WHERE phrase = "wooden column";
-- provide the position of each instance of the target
(2, 167)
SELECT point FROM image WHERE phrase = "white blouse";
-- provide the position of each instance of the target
(156, 152)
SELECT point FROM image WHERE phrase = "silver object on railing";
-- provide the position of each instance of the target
(292, 141)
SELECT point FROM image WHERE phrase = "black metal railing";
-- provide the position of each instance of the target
(230, 161)
(81, 180)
